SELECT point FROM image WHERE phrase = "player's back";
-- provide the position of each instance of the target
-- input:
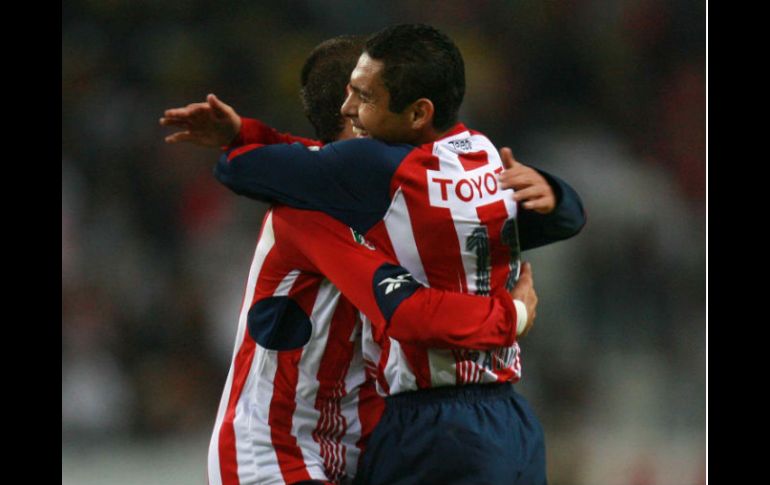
(447, 218)
(451, 225)
(290, 408)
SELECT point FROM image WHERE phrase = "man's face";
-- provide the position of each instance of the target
(347, 132)
(366, 105)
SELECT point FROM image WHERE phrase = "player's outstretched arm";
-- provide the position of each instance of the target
(209, 124)
(216, 124)
(552, 211)
(333, 179)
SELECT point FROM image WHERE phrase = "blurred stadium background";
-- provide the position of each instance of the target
(609, 94)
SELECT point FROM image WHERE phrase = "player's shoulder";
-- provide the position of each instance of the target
(371, 148)
(466, 144)
(295, 219)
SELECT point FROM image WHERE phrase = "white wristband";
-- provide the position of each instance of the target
(521, 316)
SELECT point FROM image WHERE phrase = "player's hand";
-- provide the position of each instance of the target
(530, 188)
(209, 124)
(525, 291)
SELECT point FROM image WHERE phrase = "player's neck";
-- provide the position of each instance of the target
(431, 134)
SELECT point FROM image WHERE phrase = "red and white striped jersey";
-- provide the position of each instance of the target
(447, 225)
(299, 403)
(437, 209)
(293, 414)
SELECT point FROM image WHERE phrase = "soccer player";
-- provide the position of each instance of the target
(426, 193)
(298, 403)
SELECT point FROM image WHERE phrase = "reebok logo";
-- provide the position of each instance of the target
(395, 283)
(463, 145)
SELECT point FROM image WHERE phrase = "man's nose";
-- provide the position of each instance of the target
(349, 107)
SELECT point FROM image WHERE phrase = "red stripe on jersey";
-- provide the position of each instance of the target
(379, 233)
(332, 370)
(305, 291)
(280, 416)
(383, 363)
(228, 462)
(461, 369)
(370, 408)
(455, 130)
(283, 404)
(433, 227)
(505, 375)
(493, 216)
(264, 223)
(418, 359)
(458, 369)
(474, 132)
(467, 369)
(473, 160)
(268, 280)
(242, 150)
(255, 131)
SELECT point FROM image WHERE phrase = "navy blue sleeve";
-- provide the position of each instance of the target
(392, 285)
(349, 180)
(566, 220)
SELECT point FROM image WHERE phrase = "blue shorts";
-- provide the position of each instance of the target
(479, 434)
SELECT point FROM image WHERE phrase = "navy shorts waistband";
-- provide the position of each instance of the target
(467, 393)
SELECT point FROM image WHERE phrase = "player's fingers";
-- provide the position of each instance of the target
(188, 110)
(177, 112)
(217, 105)
(510, 179)
(527, 194)
(174, 122)
(179, 137)
(542, 205)
(172, 112)
(523, 284)
(506, 156)
(526, 271)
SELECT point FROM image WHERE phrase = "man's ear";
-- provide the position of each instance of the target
(421, 113)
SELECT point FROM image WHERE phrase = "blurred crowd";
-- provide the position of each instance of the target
(609, 95)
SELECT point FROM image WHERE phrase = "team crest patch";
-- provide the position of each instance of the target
(358, 238)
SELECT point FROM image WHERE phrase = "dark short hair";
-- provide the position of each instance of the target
(420, 62)
(324, 77)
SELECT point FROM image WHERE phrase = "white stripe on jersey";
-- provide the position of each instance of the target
(306, 417)
(256, 445)
(253, 440)
(399, 227)
(265, 244)
(349, 409)
(442, 368)
(371, 352)
(355, 378)
(284, 287)
(464, 214)
(397, 372)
